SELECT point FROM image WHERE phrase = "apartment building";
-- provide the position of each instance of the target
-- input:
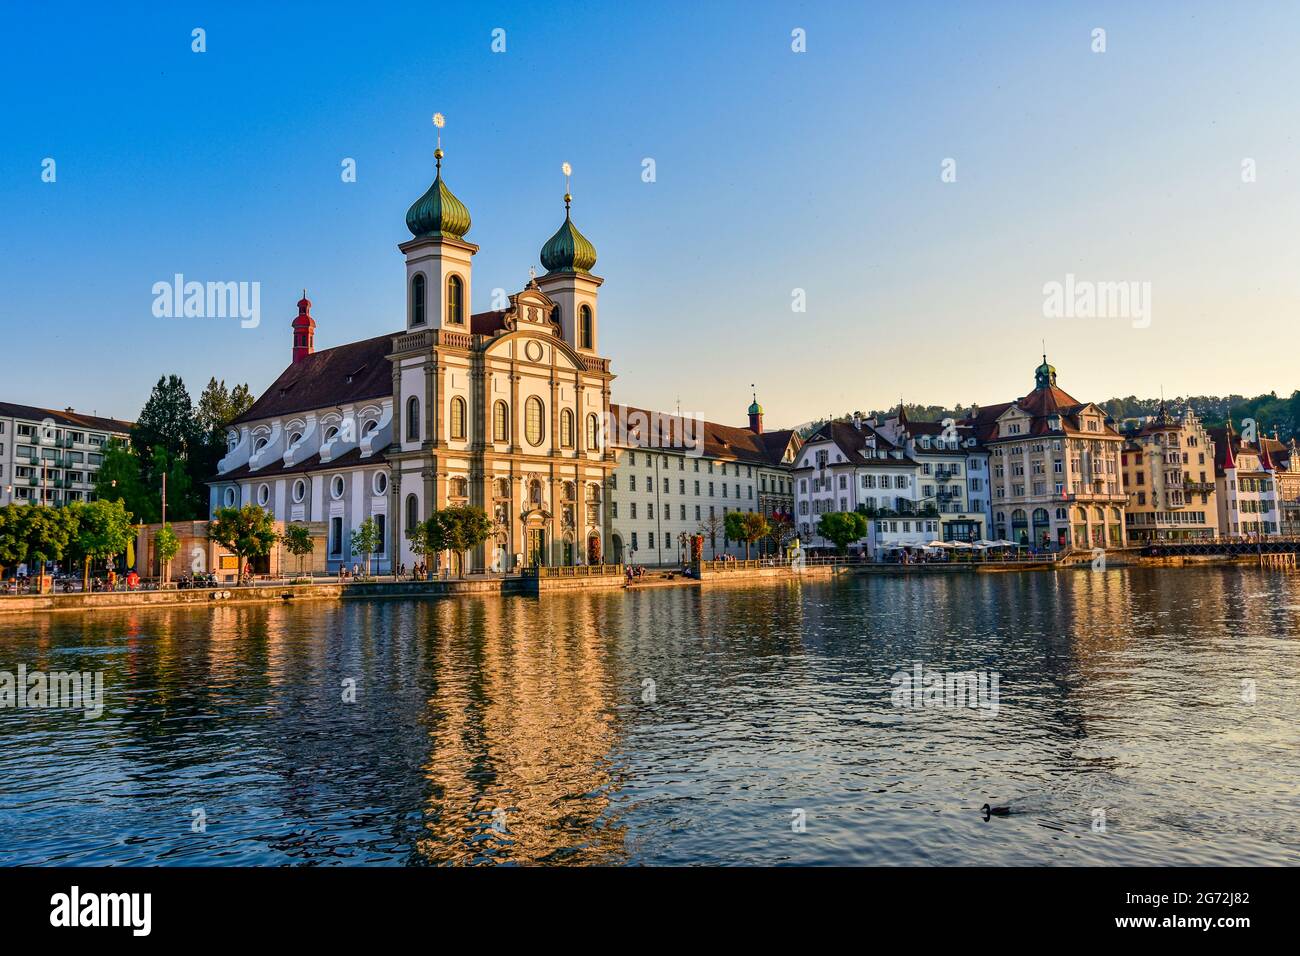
(678, 477)
(1168, 466)
(51, 456)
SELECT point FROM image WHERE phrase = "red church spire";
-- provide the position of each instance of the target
(304, 330)
(1229, 462)
(1265, 460)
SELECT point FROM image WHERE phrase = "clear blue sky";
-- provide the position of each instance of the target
(775, 171)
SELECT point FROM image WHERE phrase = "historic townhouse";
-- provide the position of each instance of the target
(851, 466)
(1055, 465)
(954, 474)
(50, 456)
(1168, 466)
(503, 410)
(1248, 484)
(677, 477)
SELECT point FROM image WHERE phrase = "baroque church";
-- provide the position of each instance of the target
(504, 410)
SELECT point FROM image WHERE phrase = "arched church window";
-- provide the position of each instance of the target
(585, 328)
(533, 430)
(455, 301)
(500, 422)
(412, 512)
(417, 300)
(566, 429)
(413, 419)
(458, 418)
(593, 432)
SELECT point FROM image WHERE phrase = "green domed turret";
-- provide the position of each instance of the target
(438, 213)
(1045, 375)
(568, 250)
(755, 408)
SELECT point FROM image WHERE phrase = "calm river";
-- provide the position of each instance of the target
(1143, 716)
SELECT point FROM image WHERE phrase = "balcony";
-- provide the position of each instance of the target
(1198, 487)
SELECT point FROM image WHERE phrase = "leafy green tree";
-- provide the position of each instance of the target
(299, 542)
(118, 479)
(842, 528)
(780, 530)
(48, 533)
(746, 526)
(367, 539)
(217, 407)
(458, 529)
(103, 530)
(13, 539)
(167, 419)
(418, 540)
(166, 545)
(247, 532)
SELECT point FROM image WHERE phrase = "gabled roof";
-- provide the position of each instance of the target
(338, 376)
(1228, 446)
(720, 441)
(66, 418)
(1040, 405)
(852, 443)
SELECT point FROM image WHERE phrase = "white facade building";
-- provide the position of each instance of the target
(678, 477)
(52, 456)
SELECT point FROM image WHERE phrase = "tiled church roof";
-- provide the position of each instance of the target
(337, 376)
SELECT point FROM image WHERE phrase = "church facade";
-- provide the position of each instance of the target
(504, 410)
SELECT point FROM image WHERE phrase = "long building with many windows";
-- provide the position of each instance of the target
(51, 456)
(679, 476)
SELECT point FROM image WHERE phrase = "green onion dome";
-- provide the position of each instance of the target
(438, 212)
(755, 408)
(568, 250)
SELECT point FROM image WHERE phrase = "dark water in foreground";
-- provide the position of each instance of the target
(512, 730)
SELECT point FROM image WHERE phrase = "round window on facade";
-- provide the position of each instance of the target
(263, 494)
(230, 497)
(380, 483)
(259, 444)
(336, 486)
(299, 490)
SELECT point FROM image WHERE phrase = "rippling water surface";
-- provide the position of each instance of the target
(512, 730)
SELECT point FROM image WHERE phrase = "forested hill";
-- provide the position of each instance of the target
(1270, 411)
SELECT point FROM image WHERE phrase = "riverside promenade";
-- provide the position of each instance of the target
(536, 581)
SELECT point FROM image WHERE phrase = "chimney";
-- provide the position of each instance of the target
(304, 330)
(857, 420)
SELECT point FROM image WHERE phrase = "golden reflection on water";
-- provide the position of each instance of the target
(522, 720)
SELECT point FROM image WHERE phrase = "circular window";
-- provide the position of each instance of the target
(331, 433)
(380, 483)
(370, 427)
(533, 429)
(336, 486)
(263, 494)
(299, 490)
(259, 444)
(295, 438)
(230, 497)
